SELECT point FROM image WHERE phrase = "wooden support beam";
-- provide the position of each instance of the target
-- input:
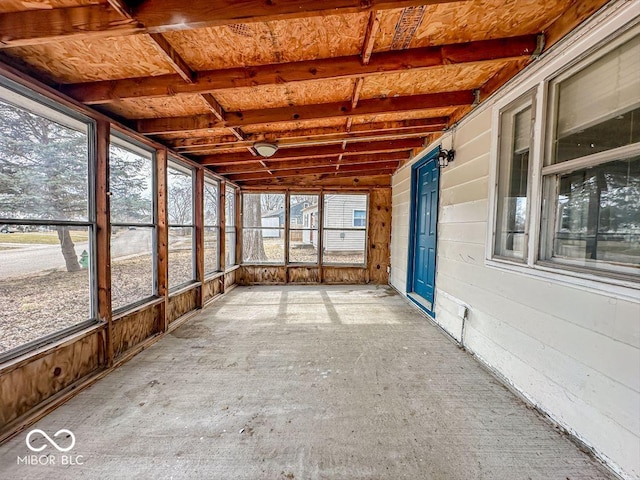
(349, 182)
(163, 46)
(48, 25)
(362, 169)
(419, 132)
(162, 239)
(313, 136)
(322, 69)
(156, 126)
(221, 222)
(220, 114)
(41, 26)
(357, 88)
(275, 166)
(318, 152)
(370, 36)
(103, 236)
(198, 213)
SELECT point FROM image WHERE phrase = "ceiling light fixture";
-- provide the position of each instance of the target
(265, 149)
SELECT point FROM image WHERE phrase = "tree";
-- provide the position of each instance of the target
(44, 173)
(252, 242)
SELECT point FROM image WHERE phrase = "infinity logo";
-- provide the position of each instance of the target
(50, 440)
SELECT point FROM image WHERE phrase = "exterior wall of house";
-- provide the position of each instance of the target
(572, 348)
(339, 214)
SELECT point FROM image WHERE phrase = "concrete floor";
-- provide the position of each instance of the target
(303, 383)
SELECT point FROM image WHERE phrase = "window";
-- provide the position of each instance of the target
(343, 241)
(211, 226)
(359, 218)
(132, 187)
(578, 188)
(230, 226)
(180, 182)
(303, 228)
(263, 221)
(591, 177)
(47, 224)
(513, 172)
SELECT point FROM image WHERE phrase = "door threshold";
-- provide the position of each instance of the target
(420, 300)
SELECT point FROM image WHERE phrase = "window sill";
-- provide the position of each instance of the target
(136, 307)
(622, 289)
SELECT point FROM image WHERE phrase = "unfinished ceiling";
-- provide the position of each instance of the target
(348, 89)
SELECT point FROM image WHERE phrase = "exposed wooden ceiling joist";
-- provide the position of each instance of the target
(157, 126)
(328, 140)
(315, 135)
(276, 165)
(317, 152)
(338, 67)
(371, 168)
(153, 16)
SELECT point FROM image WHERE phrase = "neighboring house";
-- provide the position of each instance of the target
(534, 267)
(345, 226)
(277, 219)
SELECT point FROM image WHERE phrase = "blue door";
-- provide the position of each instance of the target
(422, 258)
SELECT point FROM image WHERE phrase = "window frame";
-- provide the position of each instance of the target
(597, 280)
(230, 227)
(365, 229)
(282, 229)
(127, 143)
(41, 105)
(303, 228)
(176, 164)
(208, 179)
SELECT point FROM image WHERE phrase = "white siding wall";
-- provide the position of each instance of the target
(338, 212)
(573, 351)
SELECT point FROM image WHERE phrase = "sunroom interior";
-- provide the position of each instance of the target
(160, 158)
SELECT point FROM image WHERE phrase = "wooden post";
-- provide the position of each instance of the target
(103, 235)
(199, 233)
(287, 226)
(238, 227)
(162, 241)
(320, 233)
(222, 231)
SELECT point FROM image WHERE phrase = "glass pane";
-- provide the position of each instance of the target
(303, 246)
(44, 282)
(211, 249)
(343, 246)
(263, 245)
(211, 203)
(598, 216)
(131, 265)
(40, 155)
(599, 107)
(180, 196)
(230, 248)
(303, 211)
(339, 209)
(263, 210)
(230, 206)
(180, 256)
(131, 186)
(510, 239)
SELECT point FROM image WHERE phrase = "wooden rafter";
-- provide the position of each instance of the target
(317, 152)
(169, 53)
(395, 105)
(292, 137)
(157, 16)
(276, 165)
(220, 114)
(419, 132)
(322, 69)
(371, 168)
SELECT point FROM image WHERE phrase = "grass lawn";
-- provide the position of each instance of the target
(47, 238)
